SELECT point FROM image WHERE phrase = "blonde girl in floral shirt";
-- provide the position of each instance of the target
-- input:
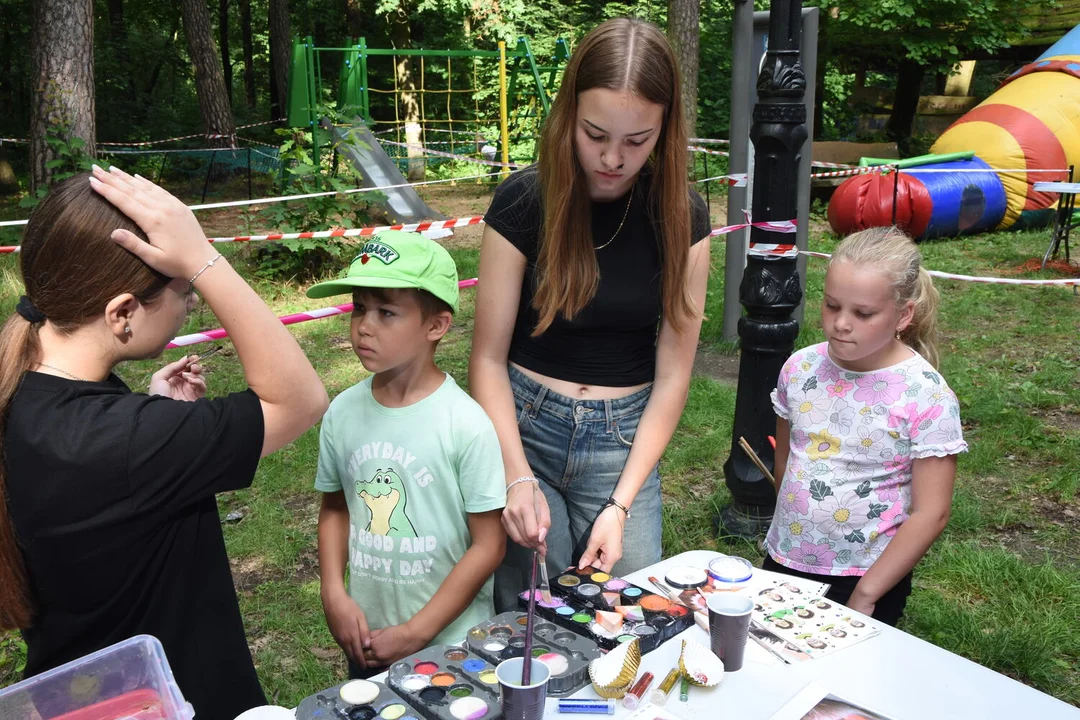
(867, 432)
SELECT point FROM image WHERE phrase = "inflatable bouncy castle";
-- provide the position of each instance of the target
(1030, 123)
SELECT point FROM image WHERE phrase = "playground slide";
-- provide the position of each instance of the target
(357, 145)
(1032, 122)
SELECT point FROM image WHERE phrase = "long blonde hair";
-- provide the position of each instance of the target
(622, 54)
(890, 251)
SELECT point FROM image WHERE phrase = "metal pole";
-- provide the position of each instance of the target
(250, 196)
(741, 73)
(504, 129)
(708, 195)
(208, 169)
(895, 191)
(161, 170)
(770, 289)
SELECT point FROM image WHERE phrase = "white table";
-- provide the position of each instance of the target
(894, 673)
(1063, 222)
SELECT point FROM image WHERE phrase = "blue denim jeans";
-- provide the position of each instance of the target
(577, 450)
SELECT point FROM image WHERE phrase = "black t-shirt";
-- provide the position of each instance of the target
(612, 341)
(112, 498)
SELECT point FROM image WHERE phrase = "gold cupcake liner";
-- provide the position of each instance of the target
(630, 664)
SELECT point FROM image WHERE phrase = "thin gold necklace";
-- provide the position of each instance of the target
(61, 370)
(625, 213)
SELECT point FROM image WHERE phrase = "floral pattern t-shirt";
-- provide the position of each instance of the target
(847, 485)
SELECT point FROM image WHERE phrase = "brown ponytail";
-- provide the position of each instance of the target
(71, 270)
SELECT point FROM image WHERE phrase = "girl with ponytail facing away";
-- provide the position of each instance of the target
(867, 432)
(108, 523)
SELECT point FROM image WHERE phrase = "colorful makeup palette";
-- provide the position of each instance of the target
(356, 700)
(445, 682)
(567, 654)
(588, 602)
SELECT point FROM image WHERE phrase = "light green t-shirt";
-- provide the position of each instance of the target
(410, 475)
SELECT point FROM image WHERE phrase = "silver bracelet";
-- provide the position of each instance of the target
(204, 268)
(524, 479)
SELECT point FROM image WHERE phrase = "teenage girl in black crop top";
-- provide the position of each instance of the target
(593, 274)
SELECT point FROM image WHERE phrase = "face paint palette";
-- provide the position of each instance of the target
(588, 600)
(355, 700)
(566, 654)
(446, 682)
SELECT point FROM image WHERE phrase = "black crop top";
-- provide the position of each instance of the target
(612, 341)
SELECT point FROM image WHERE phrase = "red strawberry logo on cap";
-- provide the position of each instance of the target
(364, 259)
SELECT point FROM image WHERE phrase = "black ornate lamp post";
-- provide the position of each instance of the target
(770, 289)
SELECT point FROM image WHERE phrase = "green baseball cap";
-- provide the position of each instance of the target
(398, 259)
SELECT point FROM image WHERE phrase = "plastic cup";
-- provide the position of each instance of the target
(522, 702)
(729, 623)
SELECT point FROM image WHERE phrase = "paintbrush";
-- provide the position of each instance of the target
(700, 616)
(207, 356)
(755, 459)
(545, 582)
(526, 663)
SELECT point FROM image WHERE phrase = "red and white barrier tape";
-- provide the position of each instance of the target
(219, 333)
(974, 278)
(709, 141)
(210, 136)
(695, 148)
(357, 232)
(736, 180)
(855, 171)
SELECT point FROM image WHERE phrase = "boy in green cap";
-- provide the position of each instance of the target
(409, 467)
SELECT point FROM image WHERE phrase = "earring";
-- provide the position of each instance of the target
(897, 333)
(127, 329)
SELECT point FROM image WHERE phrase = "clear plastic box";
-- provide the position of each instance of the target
(131, 680)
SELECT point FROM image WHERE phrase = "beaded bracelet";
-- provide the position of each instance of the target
(524, 479)
(612, 502)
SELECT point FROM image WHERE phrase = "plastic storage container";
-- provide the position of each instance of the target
(131, 680)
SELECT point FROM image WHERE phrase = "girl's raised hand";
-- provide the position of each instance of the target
(177, 246)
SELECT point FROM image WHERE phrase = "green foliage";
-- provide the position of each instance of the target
(936, 34)
(69, 159)
(310, 257)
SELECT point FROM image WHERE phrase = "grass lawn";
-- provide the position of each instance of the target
(1001, 587)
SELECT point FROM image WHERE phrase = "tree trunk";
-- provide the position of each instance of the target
(280, 56)
(62, 100)
(905, 103)
(684, 32)
(249, 53)
(354, 18)
(223, 41)
(409, 99)
(209, 82)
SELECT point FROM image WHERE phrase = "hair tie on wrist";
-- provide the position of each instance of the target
(29, 311)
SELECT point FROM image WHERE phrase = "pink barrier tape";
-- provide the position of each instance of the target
(219, 333)
(974, 278)
(357, 232)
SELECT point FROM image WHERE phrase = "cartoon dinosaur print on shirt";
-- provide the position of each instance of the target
(384, 495)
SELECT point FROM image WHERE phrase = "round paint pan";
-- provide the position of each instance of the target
(468, 708)
(556, 662)
(426, 668)
(455, 654)
(415, 683)
(460, 691)
(568, 581)
(588, 591)
(361, 712)
(473, 665)
(393, 711)
(654, 604)
(433, 695)
(443, 679)
(687, 577)
(503, 631)
(359, 692)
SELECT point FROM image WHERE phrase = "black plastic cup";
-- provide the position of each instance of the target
(729, 623)
(522, 702)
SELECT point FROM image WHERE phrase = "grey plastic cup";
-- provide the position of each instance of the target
(729, 623)
(522, 702)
